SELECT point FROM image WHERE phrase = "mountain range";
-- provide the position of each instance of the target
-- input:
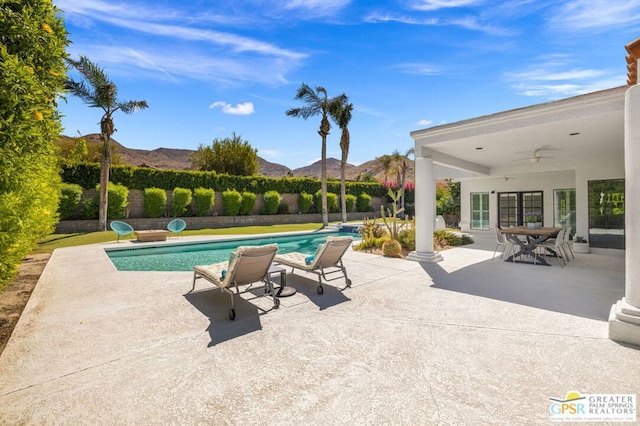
(178, 159)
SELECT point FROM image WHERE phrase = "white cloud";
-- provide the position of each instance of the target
(177, 43)
(596, 14)
(317, 7)
(425, 122)
(244, 108)
(418, 69)
(428, 5)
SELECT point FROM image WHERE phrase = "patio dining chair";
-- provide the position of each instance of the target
(327, 260)
(567, 245)
(556, 246)
(122, 229)
(246, 266)
(502, 243)
(176, 226)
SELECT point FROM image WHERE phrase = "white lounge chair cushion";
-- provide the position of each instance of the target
(299, 260)
(213, 272)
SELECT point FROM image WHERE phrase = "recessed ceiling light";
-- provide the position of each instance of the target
(478, 148)
(574, 133)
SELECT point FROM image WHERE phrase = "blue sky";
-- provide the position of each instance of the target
(211, 68)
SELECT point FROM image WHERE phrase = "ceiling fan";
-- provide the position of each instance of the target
(535, 158)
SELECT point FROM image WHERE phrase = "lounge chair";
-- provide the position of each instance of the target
(122, 229)
(247, 265)
(176, 226)
(326, 260)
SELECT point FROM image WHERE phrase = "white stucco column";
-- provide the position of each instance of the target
(624, 319)
(425, 203)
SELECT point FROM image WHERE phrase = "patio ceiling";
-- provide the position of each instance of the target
(566, 133)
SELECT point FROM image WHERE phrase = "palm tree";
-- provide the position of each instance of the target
(384, 163)
(98, 91)
(341, 114)
(401, 168)
(317, 104)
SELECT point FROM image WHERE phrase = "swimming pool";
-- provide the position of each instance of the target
(184, 256)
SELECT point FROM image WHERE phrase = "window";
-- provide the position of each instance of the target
(514, 206)
(564, 209)
(480, 210)
(606, 213)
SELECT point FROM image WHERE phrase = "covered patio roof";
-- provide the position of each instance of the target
(563, 134)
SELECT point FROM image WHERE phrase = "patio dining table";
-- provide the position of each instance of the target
(527, 246)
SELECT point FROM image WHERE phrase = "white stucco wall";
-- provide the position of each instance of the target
(611, 167)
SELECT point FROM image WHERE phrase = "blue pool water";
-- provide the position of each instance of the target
(183, 257)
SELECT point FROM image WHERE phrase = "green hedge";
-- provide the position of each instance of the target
(88, 175)
(305, 201)
(332, 202)
(231, 202)
(350, 201)
(32, 77)
(117, 196)
(248, 203)
(155, 201)
(116, 201)
(363, 203)
(70, 196)
(205, 199)
(180, 201)
(271, 202)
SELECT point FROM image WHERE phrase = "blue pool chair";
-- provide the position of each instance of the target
(176, 226)
(122, 229)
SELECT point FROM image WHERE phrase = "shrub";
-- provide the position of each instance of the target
(363, 202)
(407, 238)
(32, 77)
(205, 198)
(445, 238)
(70, 196)
(283, 208)
(180, 201)
(350, 201)
(332, 202)
(304, 202)
(248, 203)
(231, 201)
(117, 202)
(271, 202)
(118, 196)
(91, 208)
(155, 201)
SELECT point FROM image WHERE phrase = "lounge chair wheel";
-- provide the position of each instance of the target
(232, 314)
(348, 283)
(276, 303)
(320, 290)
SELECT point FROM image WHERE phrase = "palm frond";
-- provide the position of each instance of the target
(131, 106)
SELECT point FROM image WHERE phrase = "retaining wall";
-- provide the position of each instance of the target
(205, 222)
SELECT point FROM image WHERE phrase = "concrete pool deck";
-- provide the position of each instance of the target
(465, 341)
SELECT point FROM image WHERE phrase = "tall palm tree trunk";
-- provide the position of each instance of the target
(105, 164)
(324, 131)
(343, 188)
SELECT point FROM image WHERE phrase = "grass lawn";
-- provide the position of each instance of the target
(54, 241)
